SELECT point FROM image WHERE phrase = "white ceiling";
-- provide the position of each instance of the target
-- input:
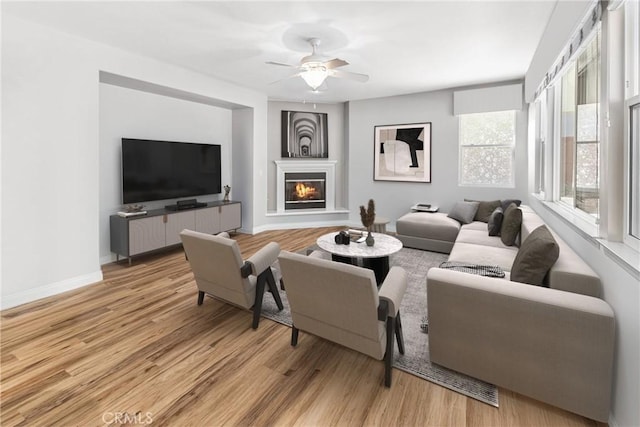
(405, 47)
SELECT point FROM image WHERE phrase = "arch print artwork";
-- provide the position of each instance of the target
(304, 135)
(402, 152)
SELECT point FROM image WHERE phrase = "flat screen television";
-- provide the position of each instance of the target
(160, 170)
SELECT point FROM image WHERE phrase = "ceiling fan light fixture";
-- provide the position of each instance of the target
(314, 75)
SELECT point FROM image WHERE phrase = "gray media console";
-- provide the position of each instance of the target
(160, 228)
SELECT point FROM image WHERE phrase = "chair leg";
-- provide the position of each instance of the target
(273, 288)
(257, 305)
(294, 336)
(200, 297)
(399, 336)
(388, 356)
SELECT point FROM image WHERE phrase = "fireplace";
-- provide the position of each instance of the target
(305, 190)
(318, 174)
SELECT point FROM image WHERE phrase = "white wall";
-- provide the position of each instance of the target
(393, 199)
(335, 123)
(127, 113)
(622, 292)
(50, 151)
(242, 184)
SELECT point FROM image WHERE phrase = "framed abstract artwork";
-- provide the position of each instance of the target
(304, 135)
(402, 152)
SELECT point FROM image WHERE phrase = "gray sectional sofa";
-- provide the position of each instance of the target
(554, 343)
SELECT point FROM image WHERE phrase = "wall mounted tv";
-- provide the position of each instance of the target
(160, 170)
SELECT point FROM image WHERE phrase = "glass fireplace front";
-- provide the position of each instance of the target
(305, 190)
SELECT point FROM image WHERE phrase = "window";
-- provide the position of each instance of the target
(540, 137)
(634, 170)
(578, 175)
(632, 122)
(487, 147)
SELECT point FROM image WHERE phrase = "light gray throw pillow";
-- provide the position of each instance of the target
(536, 256)
(464, 212)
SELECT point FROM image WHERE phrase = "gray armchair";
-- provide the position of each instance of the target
(219, 270)
(341, 303)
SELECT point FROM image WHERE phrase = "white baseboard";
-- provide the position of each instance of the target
(612, 421)
(30, 295)
(292, 226)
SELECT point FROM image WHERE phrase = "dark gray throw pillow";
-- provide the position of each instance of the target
(485, 208)
(464, 212)
(495, 221)
(507, 202)
(536, 256)
(511, 224)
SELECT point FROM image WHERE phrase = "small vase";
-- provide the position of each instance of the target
(370, 240)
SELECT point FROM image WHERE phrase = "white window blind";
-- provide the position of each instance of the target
(487, 100)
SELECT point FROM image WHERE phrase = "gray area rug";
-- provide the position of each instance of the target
(413, 309)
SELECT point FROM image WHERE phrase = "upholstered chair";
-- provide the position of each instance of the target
(341, 303)
(220, 271)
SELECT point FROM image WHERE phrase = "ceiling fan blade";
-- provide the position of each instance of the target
(286, 78)
(281, 64)
(349, 75)
(335, 63)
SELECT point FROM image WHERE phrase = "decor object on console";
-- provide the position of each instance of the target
(227, 189)
(368, 216)
(304, 135)
(133, 208)
(402, 152)
(219, 270)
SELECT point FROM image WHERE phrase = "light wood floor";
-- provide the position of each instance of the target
(136, 348)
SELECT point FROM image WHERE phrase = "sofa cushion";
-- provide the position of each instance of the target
(475, 225)
(485, 208)
(495, 221)
(464, 212)
(436, 226)
(484, 255)
(536, 256)
(479, 237)
(511, 224)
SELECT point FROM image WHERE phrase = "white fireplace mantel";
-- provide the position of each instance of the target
(289, 166)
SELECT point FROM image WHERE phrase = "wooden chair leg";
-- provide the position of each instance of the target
(273, 288)
(200, 297)
(399, 336)
(257, 305)
(388, 356)
(294, 336)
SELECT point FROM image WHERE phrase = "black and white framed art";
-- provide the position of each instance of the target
(304, 135)
(402, 152)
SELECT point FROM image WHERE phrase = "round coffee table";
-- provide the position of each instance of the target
(375, 257)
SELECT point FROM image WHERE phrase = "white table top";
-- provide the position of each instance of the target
(385, 245)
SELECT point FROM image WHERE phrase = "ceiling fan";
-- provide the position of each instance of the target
(315, 68)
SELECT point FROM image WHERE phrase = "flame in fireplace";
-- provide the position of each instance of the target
(305, 192)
